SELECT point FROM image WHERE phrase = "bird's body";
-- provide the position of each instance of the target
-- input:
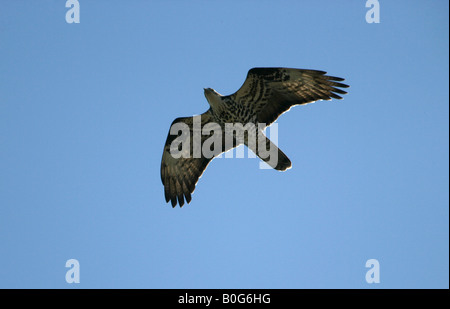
(240, 119)
(226, 110)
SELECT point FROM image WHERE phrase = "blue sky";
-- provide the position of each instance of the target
(85, 111)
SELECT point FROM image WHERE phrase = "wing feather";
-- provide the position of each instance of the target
(180, 175)
(272, 91)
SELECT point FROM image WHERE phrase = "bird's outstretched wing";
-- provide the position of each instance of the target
(272, 91)
(180, 172)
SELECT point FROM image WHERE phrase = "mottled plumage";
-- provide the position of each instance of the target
(265, 95)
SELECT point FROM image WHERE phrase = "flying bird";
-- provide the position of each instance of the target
(265, 95)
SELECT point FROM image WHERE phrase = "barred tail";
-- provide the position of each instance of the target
(270, 153)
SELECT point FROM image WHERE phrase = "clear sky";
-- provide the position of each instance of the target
(85, 109)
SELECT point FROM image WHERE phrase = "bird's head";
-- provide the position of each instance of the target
(213, 97)
(209, 92)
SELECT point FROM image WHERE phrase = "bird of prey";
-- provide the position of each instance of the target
(265, 95)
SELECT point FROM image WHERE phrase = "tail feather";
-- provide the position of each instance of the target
(283, 161)
(271, 154)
